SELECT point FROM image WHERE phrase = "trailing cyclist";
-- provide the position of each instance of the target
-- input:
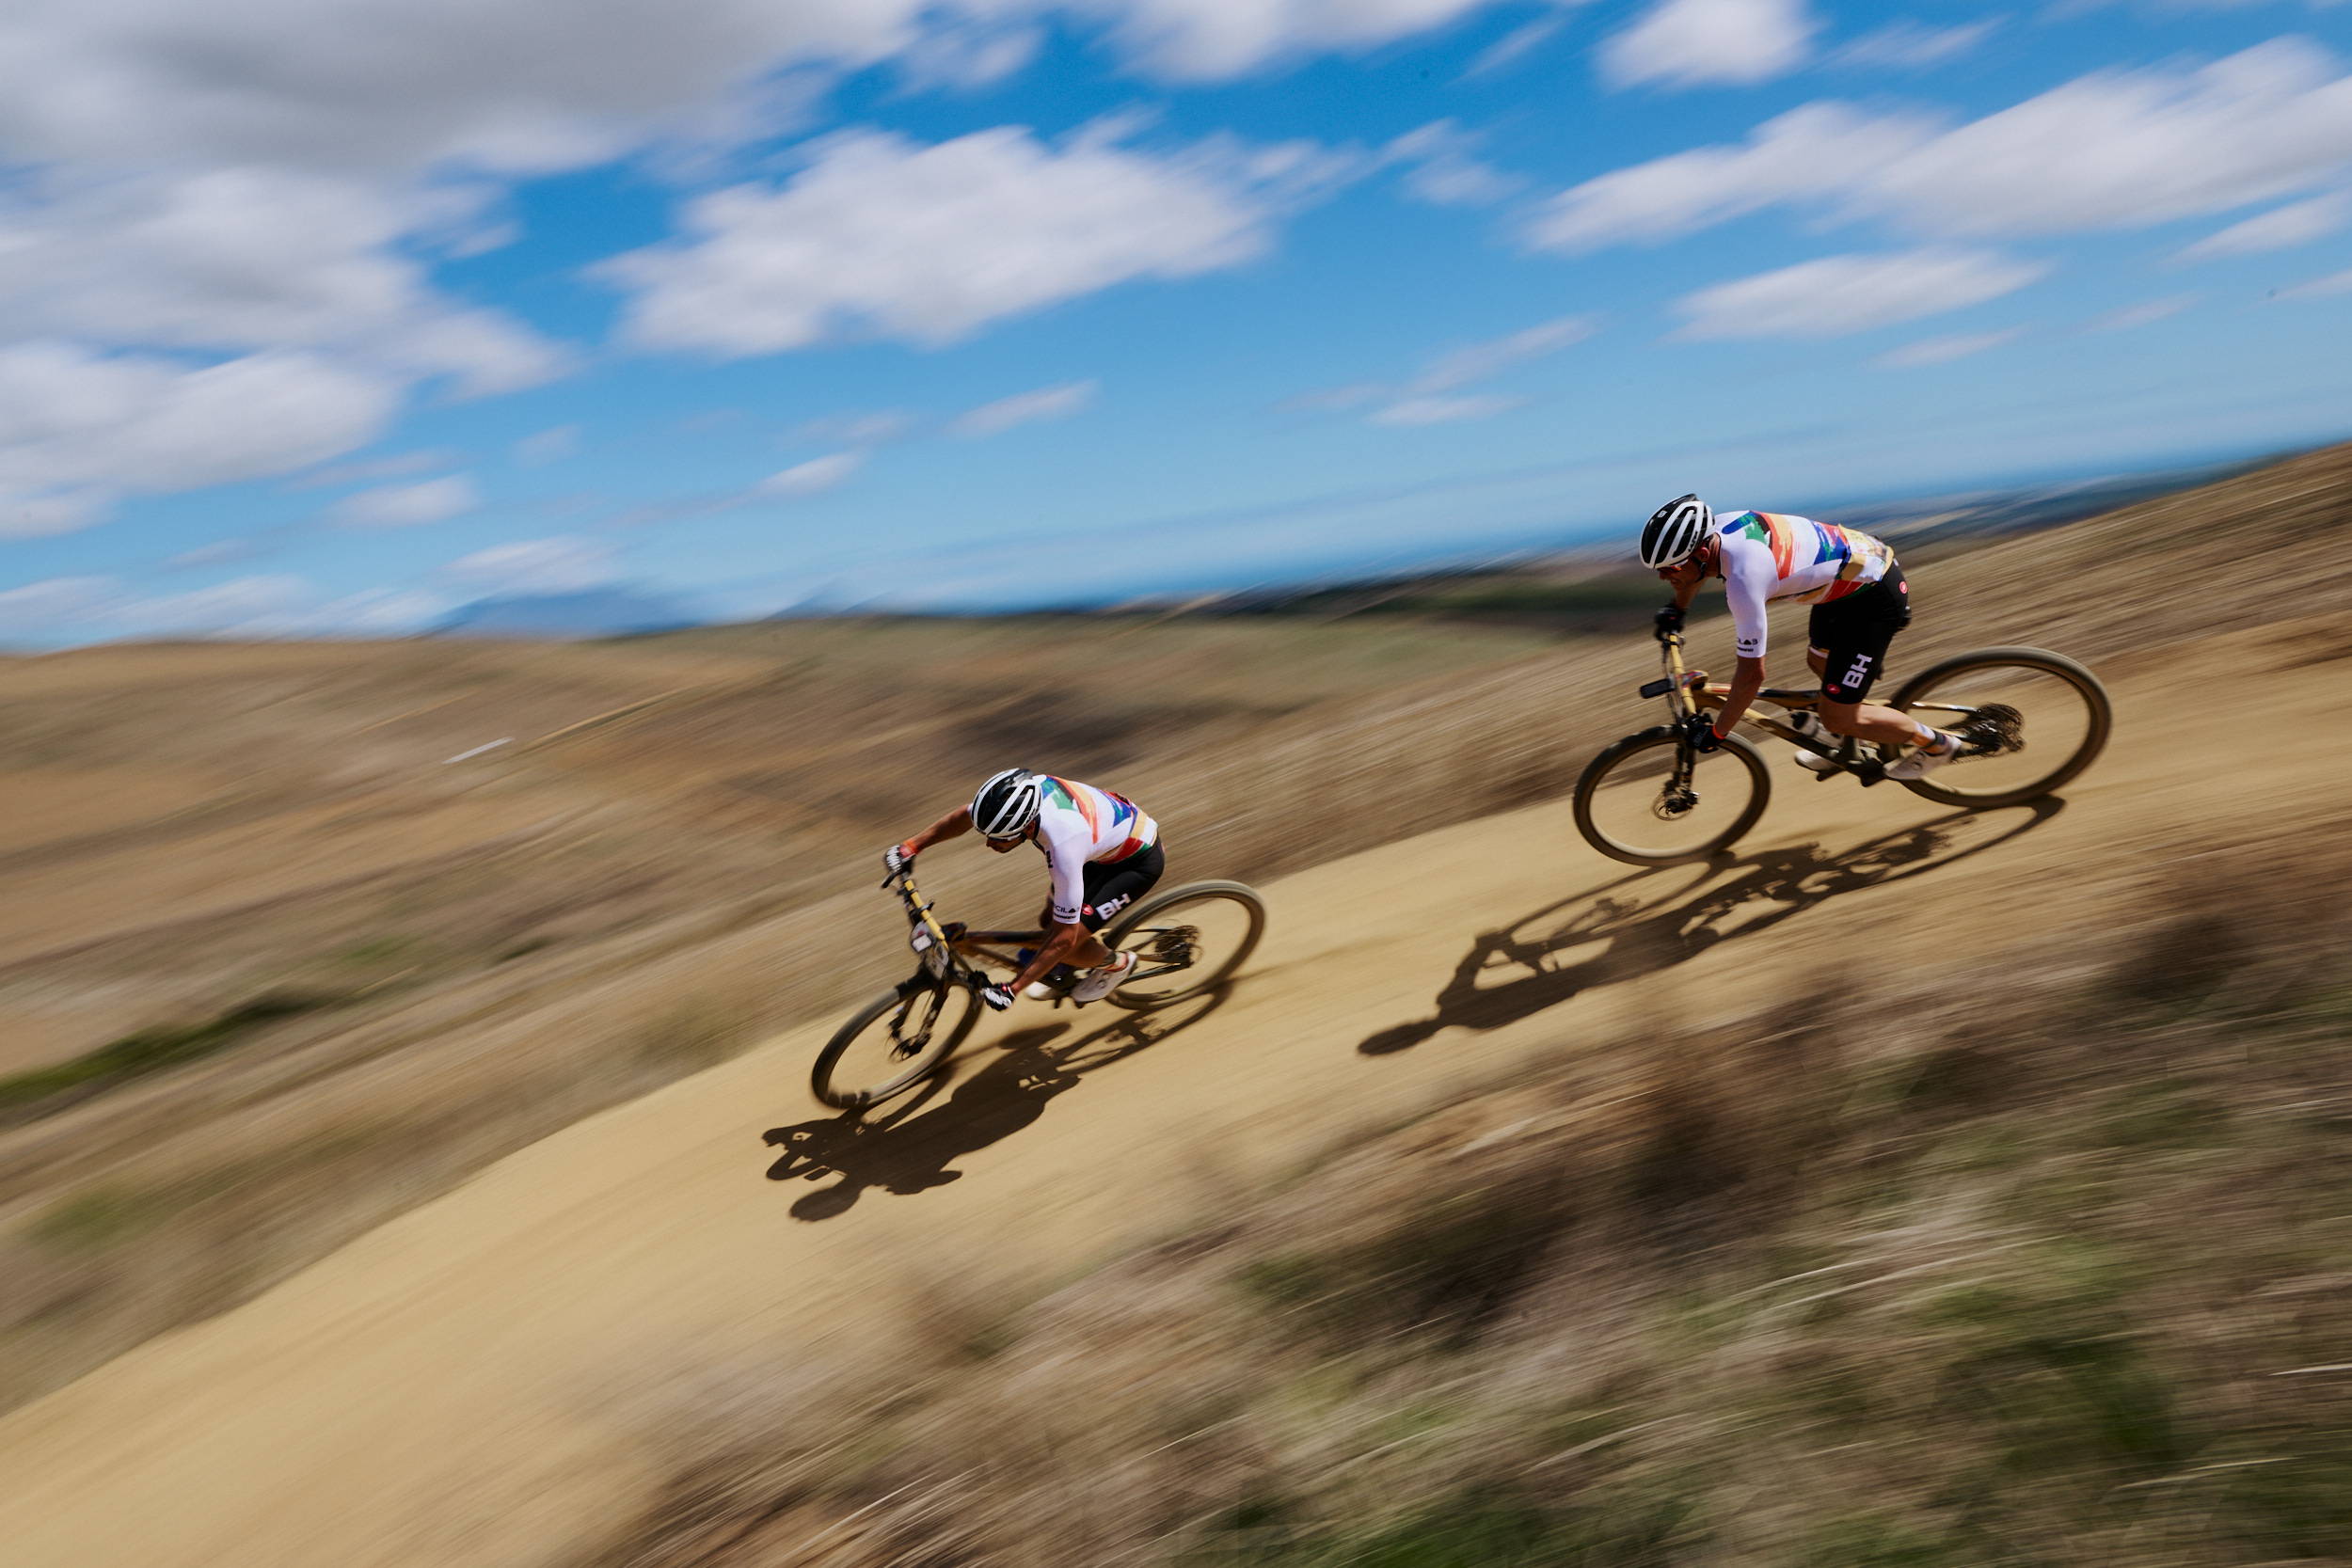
(1100, 850)
(1859, 599)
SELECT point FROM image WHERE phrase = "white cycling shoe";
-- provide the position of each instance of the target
(1921, 761)
(1101, 982)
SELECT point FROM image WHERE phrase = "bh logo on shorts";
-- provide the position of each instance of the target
(1110, 907)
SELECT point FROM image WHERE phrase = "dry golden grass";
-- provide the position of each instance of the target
(2050, 1271)
(560, 925)
(487, 951)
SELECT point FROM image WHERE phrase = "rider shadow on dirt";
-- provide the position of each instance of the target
(912, 1145)
(1612, 938)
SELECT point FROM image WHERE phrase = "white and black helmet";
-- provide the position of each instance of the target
(1008, 803)
(1675, 530)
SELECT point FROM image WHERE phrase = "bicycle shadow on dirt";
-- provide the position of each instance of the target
(1611, 938)
(912, 1146)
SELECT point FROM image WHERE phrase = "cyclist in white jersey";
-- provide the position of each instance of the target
(1859, 599)
(1102, 852)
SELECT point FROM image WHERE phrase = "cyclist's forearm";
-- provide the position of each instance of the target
(1746, 681)
(954, 825)
(1060, 942)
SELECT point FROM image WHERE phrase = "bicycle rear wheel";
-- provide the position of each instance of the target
(1187, 941)
(1628, 808)
(2030, 719)
(892, 1043)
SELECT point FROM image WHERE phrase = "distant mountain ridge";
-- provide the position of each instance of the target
(582, 612)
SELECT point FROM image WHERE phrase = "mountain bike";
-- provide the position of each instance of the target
(1187, 941)
(2028, 721)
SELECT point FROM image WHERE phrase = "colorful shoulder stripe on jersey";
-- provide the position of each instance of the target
(1771, 528)
(1061, 794)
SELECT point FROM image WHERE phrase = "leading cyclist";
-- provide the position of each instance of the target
(1859, 599)
(1100, 850)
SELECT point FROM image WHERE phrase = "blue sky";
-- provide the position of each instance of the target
(327, 316)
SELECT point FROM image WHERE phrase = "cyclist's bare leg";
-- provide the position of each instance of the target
(1863, 720)
(1087, 952)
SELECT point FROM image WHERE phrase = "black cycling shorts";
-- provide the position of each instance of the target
(1853, 634)
(1111, 886)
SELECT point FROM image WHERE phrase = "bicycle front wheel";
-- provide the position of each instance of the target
(2029, 720)
(892, 1043)
(1187, 941)
(1629, 808)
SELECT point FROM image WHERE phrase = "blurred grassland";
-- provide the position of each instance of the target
(675, 857)
(1940, 1270)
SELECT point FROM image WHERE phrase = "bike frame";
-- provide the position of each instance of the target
(1686, 694)
(941, 947)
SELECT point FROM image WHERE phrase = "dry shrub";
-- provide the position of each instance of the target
(2050, 1270)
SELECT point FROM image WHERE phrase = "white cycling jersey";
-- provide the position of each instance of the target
(1770, 556)
(1077, 823)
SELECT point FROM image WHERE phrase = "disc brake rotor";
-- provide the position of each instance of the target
(1673, 804)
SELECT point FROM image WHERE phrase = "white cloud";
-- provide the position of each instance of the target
(2067, 9)
(865, 428)
(1443, 170)
(256, 607)
(524, 86)
(1046, 402)
(2321, 288)
(77, 428)
(1817, 153)
(369, 613)
(1478, 361)
(544, 447)
(1443, 410)
(1430, 397)
(55, 602)
(237, 260)
(1687, 43)
(368, 470)
(222, 607)
(1908, 44)
(1210, 40)
(295, 276)
(2113, 150)
(1943, 351)
(2126, 149)
(1512, 47)
(1840, 295)
(814, 477)
(2280, 229)
(432, 500)
(968, 56)
(2146, 312)
(520, 86)
(267, 177)
(881, 237)
(220, 553)
(563, 564)
(39, 517)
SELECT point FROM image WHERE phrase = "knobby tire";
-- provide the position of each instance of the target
(946, 1034)
(1153, 910)
(1614, 755)
(1943, 786)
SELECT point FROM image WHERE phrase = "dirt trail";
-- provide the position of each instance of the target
(459, 1387)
